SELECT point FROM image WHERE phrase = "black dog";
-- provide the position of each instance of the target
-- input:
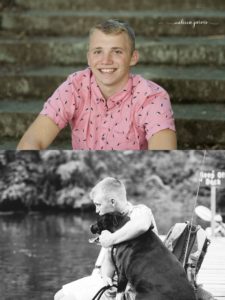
(147, 264)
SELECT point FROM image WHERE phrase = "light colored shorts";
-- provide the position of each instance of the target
(86, 288)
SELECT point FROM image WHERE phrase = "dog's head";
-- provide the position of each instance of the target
(111, 222)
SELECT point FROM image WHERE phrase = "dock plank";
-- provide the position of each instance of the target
(212, 272)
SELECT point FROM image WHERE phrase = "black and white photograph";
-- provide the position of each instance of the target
(112, 225)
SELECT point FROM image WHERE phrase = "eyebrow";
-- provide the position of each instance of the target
(113, 48)
(116, 48)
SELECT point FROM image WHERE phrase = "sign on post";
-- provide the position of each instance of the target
(213, 179)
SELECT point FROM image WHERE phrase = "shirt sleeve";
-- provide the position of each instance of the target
(141, 210)
(156, 114)
(60, 107)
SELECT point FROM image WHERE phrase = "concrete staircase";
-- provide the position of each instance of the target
(41, 42)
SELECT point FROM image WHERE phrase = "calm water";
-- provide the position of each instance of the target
(39, 253)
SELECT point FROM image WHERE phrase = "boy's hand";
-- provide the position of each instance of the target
(106, 239)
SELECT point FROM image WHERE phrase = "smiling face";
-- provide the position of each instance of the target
(110, 59)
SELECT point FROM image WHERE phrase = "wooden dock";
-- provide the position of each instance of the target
(212, 272)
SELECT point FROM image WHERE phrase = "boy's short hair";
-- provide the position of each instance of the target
(113, 26)
(111, 188)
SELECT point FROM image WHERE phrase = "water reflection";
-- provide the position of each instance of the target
(39, 253)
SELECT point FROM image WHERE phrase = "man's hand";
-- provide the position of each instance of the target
(106, 239)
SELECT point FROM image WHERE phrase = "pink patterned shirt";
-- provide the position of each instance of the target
(125, 122)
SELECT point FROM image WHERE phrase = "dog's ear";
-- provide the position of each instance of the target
(118, 220)
(115, 221)
(108, 222)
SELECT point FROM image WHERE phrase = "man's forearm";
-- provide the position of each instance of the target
(107, 267)
(26, 145)
(163, 140)
(39, 135)
(130, 231)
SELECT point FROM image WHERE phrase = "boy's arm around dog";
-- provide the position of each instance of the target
(141, 219)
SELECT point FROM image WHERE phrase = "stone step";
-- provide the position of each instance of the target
(119, 5)
(24, 112)
(69, 51)
(202, 84)
(146, 23)
(206, 121)
(11, 143)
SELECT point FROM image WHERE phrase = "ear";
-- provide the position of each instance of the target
(113, 202)
(134, 58)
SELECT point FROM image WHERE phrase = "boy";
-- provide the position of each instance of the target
(107, 107)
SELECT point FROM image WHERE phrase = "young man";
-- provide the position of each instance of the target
(106, 106)
(109, 195)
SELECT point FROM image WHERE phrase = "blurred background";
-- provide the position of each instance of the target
(45, 210)
(181, 44)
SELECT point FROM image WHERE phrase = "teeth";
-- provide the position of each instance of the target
(107, 70)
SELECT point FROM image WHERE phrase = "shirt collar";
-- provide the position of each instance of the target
(115, 99)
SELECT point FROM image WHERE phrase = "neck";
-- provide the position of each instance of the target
(108, 91)
(124, 208)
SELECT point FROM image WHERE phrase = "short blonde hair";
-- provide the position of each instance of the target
(111, 188)
(112, 26)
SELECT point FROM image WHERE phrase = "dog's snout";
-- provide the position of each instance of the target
(94, 228)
